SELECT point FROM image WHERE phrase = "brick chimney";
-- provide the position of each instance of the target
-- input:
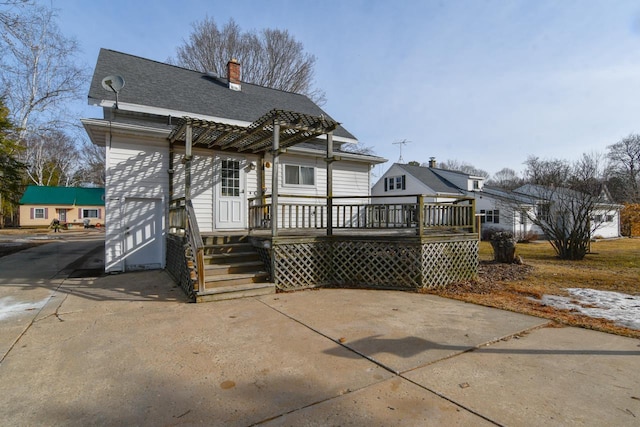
(432, 162)
(233, 74)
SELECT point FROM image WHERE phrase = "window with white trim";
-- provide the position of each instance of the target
(38, 213)
(395, 183)
(299, 175)
(490, 216)
(89, 213)
(543, 212)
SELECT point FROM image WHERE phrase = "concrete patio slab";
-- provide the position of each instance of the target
(550, 376)
(129, 350)
(393, 402)
(399, 330)
(29, 281)
(155, 361)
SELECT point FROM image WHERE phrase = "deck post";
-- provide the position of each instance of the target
(330, 184)
(170, 170)
(187, 166)
(274, 180)
(420, 205)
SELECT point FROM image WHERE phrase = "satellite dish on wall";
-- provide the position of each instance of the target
(114, 84)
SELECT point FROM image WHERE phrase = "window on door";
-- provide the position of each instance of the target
(230, 178)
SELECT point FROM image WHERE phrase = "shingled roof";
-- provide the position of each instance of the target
(155, 84)
(430, 179)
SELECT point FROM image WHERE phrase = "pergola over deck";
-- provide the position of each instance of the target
(406, 244)
(275, 132)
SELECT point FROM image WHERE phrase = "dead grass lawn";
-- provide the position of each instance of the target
(612, 265)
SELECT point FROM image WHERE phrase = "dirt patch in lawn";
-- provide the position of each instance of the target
(612, 266)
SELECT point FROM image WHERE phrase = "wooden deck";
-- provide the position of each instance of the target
(400, 247)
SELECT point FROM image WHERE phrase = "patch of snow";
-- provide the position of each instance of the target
(622, 309)
(10, 307)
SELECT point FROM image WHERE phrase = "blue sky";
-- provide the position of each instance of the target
(484, 82)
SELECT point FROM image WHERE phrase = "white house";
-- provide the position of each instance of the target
(497, 209)
(600, 213)
(401, 180)
(144, 102)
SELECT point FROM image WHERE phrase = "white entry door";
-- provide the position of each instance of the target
(231, 198)
(142, 234)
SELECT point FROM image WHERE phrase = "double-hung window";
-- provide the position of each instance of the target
(90, 213)
(395, 183)
(543, 212)
(299, 175)
(490, 216)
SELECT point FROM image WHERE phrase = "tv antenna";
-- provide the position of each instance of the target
(401, 144)
(114, 84)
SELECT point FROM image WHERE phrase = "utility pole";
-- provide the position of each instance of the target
(401, 143)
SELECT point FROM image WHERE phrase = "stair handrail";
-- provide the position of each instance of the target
(193, 234)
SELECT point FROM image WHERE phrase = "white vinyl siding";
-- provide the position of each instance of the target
(201, 186)
(134, 169)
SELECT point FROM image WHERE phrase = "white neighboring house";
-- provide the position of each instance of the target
(497, 209)
(604, 219)
(145, 171)
(402, 180)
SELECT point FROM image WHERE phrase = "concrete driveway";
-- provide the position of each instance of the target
(128, 350)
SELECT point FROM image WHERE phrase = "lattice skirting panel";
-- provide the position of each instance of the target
(301, 264)
(444, 263)
(376, 264)
(178, 254)
(401, 264)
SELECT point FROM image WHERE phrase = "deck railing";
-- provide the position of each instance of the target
(182, 220)
(362, 213)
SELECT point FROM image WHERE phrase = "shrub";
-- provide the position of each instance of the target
(527, 237)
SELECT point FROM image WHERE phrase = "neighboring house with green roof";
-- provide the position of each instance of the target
(40, 205)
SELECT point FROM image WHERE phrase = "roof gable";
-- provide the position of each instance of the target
(72, 196)
(155, 84)
(428, 178)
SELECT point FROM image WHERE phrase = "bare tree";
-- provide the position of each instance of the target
(505, 178)
(458, 166)
(271, 58)
(624, 168)
(568, 201)
(358, 149)
(10, 12)
(51, 158)
(92, 171)
(39, 74)
(553, 172)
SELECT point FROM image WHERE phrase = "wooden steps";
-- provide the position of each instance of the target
(232, 269)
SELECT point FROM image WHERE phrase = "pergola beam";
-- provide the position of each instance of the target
(257, 137)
